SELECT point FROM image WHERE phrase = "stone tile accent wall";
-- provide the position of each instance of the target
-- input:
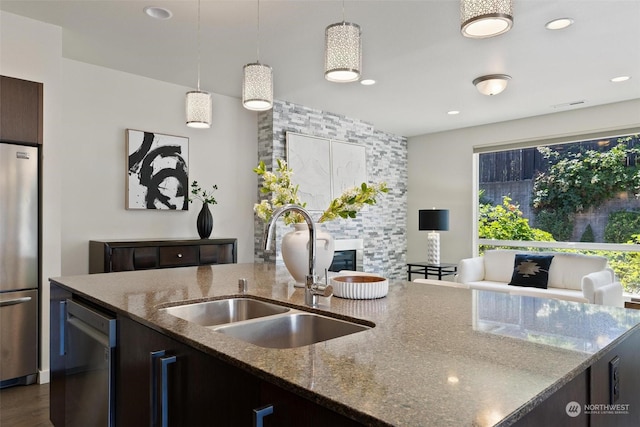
(383, 226)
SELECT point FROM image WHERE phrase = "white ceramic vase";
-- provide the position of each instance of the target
(295, 252)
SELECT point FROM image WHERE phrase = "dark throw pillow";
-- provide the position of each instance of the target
(531, 270)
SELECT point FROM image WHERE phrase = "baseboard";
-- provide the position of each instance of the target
(44, 377)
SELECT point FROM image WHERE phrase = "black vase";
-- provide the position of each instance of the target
(205, 222)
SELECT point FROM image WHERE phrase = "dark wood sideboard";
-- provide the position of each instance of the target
(127, 255)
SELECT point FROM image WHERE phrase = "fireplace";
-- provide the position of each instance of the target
(348, 255)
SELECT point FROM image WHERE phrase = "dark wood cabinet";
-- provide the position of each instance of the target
(20, 110)
(291, 410)
(198, 389)
(127, 255)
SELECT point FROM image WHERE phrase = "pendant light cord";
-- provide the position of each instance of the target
(198, 45)
(258, 34)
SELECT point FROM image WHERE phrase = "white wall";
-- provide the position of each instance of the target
(441, 167)
(99, 104)
(86, 112)
(31, 50)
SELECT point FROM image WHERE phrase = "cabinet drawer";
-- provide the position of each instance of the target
(178, 255)
(216, 254)
(121, 259)
(145, 258)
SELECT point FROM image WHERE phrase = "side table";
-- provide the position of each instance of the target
(439, 270)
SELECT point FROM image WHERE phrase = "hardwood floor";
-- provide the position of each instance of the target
(25, 406)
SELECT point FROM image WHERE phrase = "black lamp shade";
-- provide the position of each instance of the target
(433, 219)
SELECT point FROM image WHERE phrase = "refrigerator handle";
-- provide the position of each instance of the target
(14, 301)
(63, 321)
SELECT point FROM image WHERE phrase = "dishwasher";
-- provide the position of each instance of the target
(89, 343)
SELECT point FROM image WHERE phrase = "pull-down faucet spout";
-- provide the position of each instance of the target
(312, 288)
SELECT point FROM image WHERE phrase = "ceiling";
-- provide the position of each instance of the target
(413, 49)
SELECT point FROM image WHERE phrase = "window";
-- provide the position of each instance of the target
(581, 195)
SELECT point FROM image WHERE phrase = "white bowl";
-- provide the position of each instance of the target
(360, 286)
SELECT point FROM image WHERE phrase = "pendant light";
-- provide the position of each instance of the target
(257, 83)
(485, 18)
(198, 103)
(342, 51)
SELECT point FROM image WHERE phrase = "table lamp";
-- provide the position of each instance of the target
(433, 220)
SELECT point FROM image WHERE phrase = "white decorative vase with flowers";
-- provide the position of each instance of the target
(295, 252)
(295, 244)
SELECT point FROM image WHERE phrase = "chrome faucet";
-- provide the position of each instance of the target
(313, 289)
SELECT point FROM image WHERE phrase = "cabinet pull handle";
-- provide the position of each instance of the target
(165, 362)
(154, 386)
(179, 255)
(63, 320)
(260, 413)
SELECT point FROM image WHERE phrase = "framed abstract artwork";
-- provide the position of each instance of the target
(348, 166)
(157, 171)
(323, 168)
(310, 159)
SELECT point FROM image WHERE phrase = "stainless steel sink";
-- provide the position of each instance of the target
(218, 312)
(291, 330)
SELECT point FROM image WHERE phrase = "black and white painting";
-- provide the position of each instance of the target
(157, 171)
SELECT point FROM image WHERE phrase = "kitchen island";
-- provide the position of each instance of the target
(437, 356)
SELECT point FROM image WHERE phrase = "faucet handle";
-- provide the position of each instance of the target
(322, 289)
(327, 290)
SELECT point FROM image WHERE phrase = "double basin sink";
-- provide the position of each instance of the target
(264, 324)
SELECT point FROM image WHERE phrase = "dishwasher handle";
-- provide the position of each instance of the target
(92, 322)
(92, 333)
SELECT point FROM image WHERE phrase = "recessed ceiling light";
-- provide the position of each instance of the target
(559, 24)
(453, 112)
(158, 12)
(620, 79)
(367, 82)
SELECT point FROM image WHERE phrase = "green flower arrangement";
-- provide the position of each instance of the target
(205, 197)
(278, 183)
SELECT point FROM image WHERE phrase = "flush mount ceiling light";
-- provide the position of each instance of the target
(559, 24)
(257, 82)
(198, 103)
(158, 12)
(342, 51)
(367, 82)
(491, 84)
(485, 18)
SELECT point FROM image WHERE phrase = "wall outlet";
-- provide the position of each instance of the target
(614, 380)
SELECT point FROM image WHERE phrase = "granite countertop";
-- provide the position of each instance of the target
(437, 356)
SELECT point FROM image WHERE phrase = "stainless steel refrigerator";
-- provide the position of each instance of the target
(19, 265)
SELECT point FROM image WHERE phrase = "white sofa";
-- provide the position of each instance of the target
(572, 277)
